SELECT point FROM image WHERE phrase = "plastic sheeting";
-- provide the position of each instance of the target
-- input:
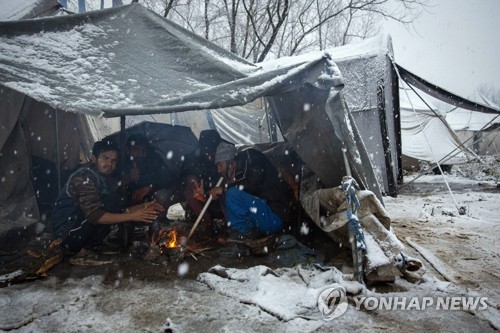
(130, 61)
(426, 136)
(442, 94)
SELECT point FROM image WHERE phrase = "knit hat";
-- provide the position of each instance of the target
(225, 151)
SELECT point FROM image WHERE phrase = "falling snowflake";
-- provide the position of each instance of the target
(183, 269)
(304, 229)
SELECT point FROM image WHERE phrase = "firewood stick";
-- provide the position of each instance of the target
(192, 255)
(48, 264)
(195, 225)
(200, 253)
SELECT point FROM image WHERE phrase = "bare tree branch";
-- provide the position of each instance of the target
(261, 28)
(275, 27)
(168, 6)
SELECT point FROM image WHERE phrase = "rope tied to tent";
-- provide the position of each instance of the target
(356, 235)
(350, 186)
(461, 209)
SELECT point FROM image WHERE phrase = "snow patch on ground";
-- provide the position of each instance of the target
(462, 248)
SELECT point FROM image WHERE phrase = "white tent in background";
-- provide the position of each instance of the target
(425, 135)
(479, 131)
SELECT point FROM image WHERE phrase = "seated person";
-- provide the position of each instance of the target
(254, 196)
(200, 175)
(146, 176)
(90, 203)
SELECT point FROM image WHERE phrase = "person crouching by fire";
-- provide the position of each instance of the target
(254, 197)
(90, 202)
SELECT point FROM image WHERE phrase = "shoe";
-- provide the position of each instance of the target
(411, 268)
(257, 246)
(406, 263)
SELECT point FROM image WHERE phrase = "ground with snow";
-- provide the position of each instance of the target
(460, 252)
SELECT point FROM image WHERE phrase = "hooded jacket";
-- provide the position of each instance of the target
(255, 174)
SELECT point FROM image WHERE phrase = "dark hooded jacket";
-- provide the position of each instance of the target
(256, 175)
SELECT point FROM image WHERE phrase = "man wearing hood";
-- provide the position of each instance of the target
(254, 196)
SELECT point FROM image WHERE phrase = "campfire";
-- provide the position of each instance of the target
(169, 242)
(166, 240)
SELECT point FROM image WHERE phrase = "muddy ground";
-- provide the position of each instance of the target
(136, 295)
(464, 248)
(133, 260)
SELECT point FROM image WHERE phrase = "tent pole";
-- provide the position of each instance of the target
(459, 209)
(381, 108)
(56, 119)
(269, 130)
(271, 123)
(346, 161)
(396, 111)
(210, 120)
(126, 228)
(123, 141)
(122, 145)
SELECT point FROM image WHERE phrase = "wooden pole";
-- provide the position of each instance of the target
(202, 212)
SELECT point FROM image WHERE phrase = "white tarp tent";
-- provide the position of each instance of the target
(425, 135)
(479, 131)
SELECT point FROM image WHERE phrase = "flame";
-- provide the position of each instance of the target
(172, 235)
(165, 239)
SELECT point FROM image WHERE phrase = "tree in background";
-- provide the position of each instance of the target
(262, 29)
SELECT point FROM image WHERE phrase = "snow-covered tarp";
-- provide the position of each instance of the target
(369, 95)
(128, 60)
(19, 9)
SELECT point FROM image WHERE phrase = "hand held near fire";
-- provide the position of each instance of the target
(213, 194)
(146, 213)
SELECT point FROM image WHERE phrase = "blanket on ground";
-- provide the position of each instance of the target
(270, 289)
